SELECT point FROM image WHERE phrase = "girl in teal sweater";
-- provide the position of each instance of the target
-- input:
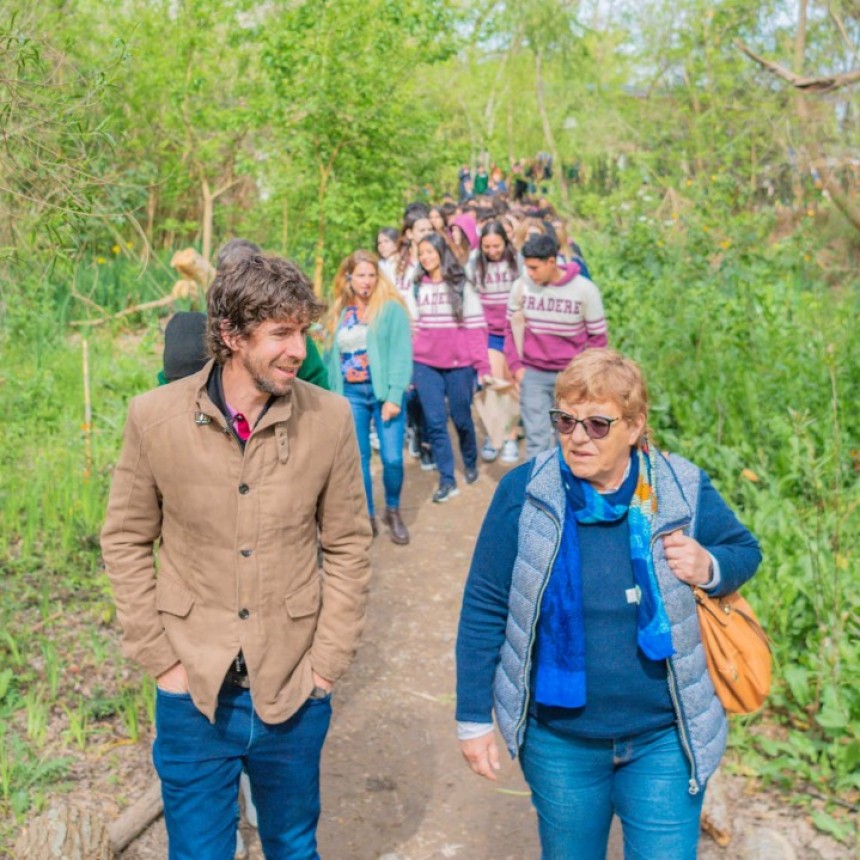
(370, 362)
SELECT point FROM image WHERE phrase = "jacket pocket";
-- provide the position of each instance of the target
(172, 597)
(305, 601)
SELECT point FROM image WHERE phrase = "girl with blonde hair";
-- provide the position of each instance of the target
(370, 363)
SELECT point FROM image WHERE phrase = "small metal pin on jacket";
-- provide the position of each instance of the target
(202, 418)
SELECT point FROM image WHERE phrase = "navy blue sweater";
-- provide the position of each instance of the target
(626, 693)
(605, 552)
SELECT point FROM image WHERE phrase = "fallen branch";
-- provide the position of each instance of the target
(143, 306)
(820, 85)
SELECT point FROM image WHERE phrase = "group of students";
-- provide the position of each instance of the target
(461, 296)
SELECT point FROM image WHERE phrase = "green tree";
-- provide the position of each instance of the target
(349, 118)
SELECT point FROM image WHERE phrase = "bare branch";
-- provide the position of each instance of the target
(820, 85)
(840, 25)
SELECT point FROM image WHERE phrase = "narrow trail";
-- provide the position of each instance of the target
(394, 786)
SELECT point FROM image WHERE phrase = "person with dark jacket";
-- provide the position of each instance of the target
(579, 632)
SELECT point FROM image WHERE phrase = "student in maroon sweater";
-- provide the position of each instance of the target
(450, 345)
(563, 315)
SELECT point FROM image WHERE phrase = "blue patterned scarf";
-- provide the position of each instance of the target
(560, 668)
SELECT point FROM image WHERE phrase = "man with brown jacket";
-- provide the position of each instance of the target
(237, 475)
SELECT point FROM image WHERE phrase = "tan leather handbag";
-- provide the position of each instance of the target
(737, 651)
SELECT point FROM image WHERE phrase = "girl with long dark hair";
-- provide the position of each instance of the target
(387, 242)
(416, 225)
(450, 345)
(493, 268)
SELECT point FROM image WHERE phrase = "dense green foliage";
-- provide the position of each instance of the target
(688, 175)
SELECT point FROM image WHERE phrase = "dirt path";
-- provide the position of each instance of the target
(394, 784)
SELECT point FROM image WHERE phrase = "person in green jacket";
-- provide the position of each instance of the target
(370, 362)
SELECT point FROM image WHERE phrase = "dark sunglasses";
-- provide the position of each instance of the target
(596, 426)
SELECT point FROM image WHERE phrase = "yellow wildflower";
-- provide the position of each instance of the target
(726, 244)
(129, 245)
(101, 260)
(115, 249)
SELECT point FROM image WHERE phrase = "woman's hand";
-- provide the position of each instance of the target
(687, 558)
(482, 755)
(389, 411)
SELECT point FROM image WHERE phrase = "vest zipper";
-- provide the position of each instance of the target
(674, 695)
(528, 661)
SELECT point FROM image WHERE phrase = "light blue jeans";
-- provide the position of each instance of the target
(577, 784)
(365, 407)
(200, 764)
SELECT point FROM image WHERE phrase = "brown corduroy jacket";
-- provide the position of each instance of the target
(211, 550)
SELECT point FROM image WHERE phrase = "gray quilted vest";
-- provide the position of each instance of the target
(701, 720)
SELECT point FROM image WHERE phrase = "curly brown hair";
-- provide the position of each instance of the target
(252, 290)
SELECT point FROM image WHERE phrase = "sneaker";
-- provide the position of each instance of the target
(428, 464)
(510, 451)
(374, 440)
(471, 475)
(412, 445)
(488, 452)
(445, 492)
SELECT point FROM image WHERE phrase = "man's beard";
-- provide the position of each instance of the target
(268, 386)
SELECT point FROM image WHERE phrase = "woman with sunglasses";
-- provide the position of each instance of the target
(450, 345)
(579, 631)
(370, 362)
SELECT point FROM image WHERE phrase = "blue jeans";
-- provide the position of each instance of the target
(434, 385)
(577, 784)
(200, 764)
(365, 407)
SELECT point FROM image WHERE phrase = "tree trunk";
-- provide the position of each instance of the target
(208, 214)
(547, 131)
(695, 132)
(151, 208)
(800, 106)
(319, 250)
(840, 199)
(209, 198)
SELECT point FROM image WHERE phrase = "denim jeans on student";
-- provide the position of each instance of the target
(415, 416)
(365, 407)
(200, 764)
(434, 385)
(537, 397)
(577, 784)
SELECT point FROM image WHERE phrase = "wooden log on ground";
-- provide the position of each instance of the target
(69, 831)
